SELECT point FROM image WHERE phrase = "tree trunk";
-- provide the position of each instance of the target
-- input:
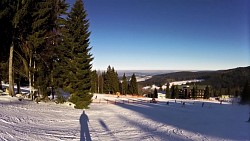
(11, 78)
(18, 85)
(30, 87)
(1, 87)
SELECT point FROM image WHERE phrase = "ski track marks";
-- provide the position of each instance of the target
(28, 121)
(129, 125)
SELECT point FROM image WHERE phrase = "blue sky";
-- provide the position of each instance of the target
(169, 34)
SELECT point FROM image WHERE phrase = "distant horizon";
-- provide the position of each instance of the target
(157, 72)
(168, 69)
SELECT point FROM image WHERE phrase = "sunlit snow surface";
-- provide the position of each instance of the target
(122, 121)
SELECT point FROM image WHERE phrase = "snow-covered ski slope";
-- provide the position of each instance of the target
(134, 121)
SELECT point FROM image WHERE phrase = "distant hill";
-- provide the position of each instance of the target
(218, 79)
(144, 72)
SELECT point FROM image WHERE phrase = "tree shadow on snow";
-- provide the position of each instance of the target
(14, 101)
(85, 136)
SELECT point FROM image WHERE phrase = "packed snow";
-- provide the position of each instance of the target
(123, 119)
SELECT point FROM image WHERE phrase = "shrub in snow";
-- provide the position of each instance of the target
(81, 101)
(60, 99)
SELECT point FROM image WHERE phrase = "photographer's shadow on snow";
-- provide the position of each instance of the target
(85, 136)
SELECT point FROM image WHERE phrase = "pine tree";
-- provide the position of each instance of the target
(124, 84)
(44, 44)
(155, 95)
(133, 85)
(3, 71)
(6, 16)
(194, 95)
(129, 88)
(111, 81)
(5, 37)
(94, 82)
(206, 93)
(16, 17)
(167, 91)
(245, 94)
(107, 76)
(115, 81)
(172, 92)
(79, 62)
(100, 82)
(176, 93)
(106, 85)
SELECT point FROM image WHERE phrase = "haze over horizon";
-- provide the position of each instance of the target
(169, 34)
(157, 72)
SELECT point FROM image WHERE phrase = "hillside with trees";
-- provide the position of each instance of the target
(228, 82)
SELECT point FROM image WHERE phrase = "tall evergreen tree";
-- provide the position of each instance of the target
(167, 91)
(111, 81)
(124, 84)
(79, 60)
(133, 85)
(115, 80)
(6, 16)
(107, 77)
(176, 93)
(172, 92)
(44, 42)
(155, 95)
(3, 71)
(100, 82)
(94, 82)
(13, 13)
(129, 88)
(206, 93)
(194, 92)
(245, 94)
(17, 15)
(106, 83)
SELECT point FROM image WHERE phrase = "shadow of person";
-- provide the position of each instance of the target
(85, 136)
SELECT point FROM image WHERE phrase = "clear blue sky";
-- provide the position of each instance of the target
(169, 34)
